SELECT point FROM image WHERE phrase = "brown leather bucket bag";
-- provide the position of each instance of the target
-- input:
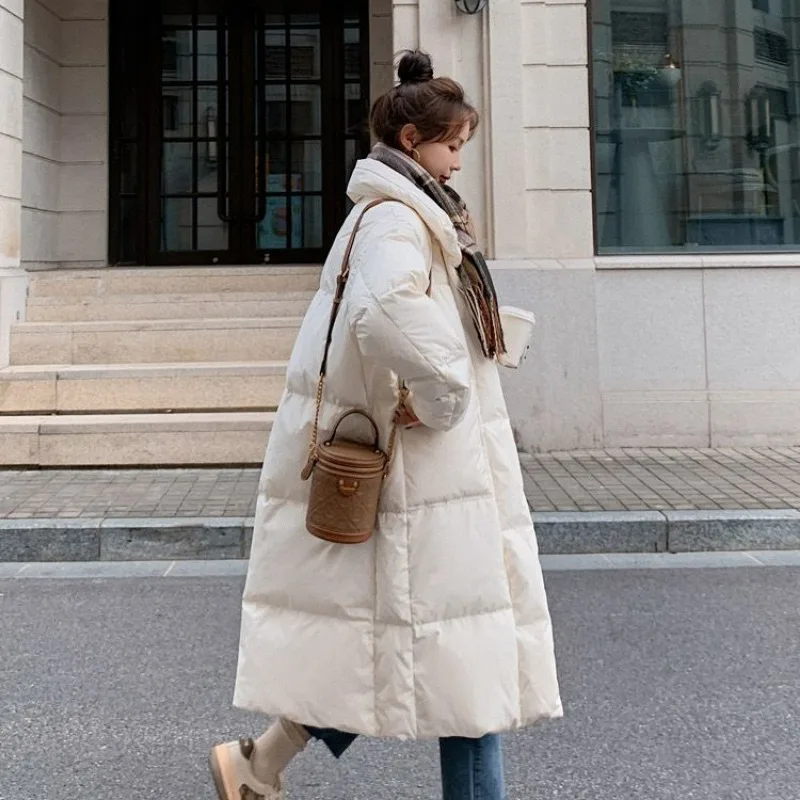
(347, 475)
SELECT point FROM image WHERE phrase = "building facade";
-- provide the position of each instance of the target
(636, 179)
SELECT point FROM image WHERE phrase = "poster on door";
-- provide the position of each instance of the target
(273, 231)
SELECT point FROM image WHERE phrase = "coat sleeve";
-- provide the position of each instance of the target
(398, 325)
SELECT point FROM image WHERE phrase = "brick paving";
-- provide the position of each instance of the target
(596, 480)
(659, 479)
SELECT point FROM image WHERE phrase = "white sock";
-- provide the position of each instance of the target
(276, 748)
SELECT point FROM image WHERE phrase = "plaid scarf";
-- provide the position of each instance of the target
(476, 281)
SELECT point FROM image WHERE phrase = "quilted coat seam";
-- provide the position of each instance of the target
(490, 471)
(259, 600)
(466, 615)
(412, 656)
(462, 498)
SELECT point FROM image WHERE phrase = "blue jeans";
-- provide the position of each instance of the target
(472, 769)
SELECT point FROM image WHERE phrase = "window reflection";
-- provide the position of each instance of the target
(697, 144)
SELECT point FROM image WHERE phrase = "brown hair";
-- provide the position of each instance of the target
(437, 107)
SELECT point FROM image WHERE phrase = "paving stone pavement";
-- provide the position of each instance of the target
(660, 479)
(596, 480)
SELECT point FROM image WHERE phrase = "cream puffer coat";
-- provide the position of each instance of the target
(438, 626)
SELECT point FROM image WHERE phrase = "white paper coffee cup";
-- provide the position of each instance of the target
(518, 326)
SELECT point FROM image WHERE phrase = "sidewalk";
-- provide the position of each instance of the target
(603, 501)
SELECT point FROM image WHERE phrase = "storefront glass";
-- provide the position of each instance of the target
(696, 126)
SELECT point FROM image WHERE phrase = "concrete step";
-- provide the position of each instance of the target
(81, 284)
(228, 305)
(137, 388)
(134, 440)
(153, 342)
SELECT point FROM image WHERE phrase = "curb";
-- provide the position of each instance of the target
(579, 532)
(155, 539)
(558, 533)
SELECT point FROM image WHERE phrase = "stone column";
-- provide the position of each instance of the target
(12, 277)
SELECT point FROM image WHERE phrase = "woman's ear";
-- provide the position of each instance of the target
(408, 137)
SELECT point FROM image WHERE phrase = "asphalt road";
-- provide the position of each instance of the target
(677, 684)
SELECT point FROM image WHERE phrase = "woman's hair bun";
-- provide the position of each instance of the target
(415, 67)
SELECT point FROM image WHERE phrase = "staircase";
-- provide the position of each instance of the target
(150, 367)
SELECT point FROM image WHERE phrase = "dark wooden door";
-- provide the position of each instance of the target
(234, 128)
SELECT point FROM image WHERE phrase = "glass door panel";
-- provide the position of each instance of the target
(234, 128)
(192, 190)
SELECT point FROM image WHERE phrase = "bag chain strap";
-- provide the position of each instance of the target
(341, 282)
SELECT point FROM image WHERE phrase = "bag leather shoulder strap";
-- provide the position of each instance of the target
(341, 283)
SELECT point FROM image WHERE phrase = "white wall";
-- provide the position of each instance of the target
(41, 166)
(11, 71)
(700, 357)
(83, 228)
(65, 134)
(13, 279)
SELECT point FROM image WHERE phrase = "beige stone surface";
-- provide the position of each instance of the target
(82, 9)
(40, 188)
(189, 280)
(151, 344)
(40, 347)
(18, 449)
(10, 232)
(154, 440)
(753, 329)
(83, 188)
(554, 398)
(733, 415)
(63, 284)
(558, 159)
(42, 131)
(10, 166)
(505, 105)
(16, 7)
(11, 42)
(560, 224)
(13, 291)
(674, 419)
(176, 283)
(546, 91)
(651, 331)
(35, 395)
(43, 29)
(84, 139)
(84, 43)
(42, 79)
(144, 307)
(10, 105)
(39, 235)
(175, 392)
(83, 236)
(84, 90)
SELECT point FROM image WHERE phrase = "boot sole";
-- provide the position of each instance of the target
(220, 764)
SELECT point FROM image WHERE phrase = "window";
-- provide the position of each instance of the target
(234, 127)
(697, 133)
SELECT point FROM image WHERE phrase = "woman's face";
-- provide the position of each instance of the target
(442, 159)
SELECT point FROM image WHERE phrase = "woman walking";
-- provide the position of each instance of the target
(438, 626)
